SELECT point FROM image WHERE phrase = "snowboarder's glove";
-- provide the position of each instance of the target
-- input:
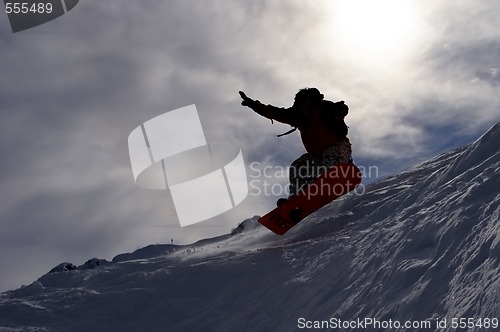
(249, 102)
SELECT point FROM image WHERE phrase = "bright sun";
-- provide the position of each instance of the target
(375, 31)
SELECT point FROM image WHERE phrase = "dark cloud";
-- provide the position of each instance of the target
(468, 60)
(439, 132)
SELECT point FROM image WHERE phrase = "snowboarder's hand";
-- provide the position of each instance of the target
(249, 102)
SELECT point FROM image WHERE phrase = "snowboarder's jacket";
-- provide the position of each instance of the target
(322, 126)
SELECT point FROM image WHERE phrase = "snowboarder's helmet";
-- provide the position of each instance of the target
(311, 94)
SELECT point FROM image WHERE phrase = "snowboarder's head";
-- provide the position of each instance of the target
(307, 98)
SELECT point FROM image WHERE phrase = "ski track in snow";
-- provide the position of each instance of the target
(420, 246)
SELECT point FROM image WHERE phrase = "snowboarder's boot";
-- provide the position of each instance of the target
(281, 201)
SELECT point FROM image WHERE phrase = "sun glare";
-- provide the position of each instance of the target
(375, 31)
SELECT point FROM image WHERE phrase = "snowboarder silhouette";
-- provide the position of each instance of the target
(322, 129)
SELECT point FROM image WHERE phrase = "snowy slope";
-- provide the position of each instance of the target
(420, 246)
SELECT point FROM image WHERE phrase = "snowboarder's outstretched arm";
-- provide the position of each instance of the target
(280, 114)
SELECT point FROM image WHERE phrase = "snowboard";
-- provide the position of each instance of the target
(337, 181)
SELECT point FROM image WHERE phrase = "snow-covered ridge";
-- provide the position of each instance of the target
(422, 246)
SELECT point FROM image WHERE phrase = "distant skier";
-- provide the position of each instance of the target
(322, 129)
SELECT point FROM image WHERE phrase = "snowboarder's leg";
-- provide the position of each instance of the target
(307, 168)
(337, 153)
(303, 171)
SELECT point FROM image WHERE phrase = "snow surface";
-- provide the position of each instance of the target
(420, 246)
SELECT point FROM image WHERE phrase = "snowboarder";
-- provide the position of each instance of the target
(322, 129)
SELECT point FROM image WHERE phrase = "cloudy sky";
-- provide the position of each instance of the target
(420, 77)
